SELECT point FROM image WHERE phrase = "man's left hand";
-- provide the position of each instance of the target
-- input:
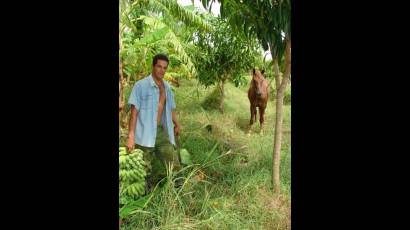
(176, 130)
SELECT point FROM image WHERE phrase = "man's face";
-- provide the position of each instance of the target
(159, 69)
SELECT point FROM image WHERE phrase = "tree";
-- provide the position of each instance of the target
(147, 25)
(223, 55)
(270, 21)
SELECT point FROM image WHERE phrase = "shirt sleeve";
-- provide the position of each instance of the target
(134, 99)
(173, 105)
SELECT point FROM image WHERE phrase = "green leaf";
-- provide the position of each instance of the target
(132, 206)
(185, 157)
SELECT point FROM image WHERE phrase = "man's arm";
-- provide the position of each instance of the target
(176, 124)
(131, 129)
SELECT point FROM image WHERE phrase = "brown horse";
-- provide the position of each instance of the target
(258, 95)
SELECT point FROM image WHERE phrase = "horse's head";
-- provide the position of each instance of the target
(257, 82)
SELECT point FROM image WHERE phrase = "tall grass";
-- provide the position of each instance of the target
(229, 186)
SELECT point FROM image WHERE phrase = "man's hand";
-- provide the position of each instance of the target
(176, 130)
(131, 129)
(176, 123)
(130, 144)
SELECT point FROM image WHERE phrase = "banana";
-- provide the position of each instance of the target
(134, 191)
(132, 173)
(141, 171)
(129, 191)
(123, 152)
(133, 164)
(140, 187)
(138, 163)
(139, 175)
(122, 160)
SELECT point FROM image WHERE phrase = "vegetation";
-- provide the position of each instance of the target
(234, 179)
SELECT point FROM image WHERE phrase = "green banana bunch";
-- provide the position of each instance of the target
(132, 173)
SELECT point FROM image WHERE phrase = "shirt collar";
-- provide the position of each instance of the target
(152, 82)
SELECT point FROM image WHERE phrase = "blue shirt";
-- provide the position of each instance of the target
(145, 97)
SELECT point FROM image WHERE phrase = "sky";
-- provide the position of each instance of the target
(197, 3)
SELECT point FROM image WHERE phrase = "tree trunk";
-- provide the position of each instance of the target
(121, 96)
(280, 92)
(277, 73)
(121, 103)
(222, 91)
(122, 114)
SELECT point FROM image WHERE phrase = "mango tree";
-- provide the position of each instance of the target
(224, 55)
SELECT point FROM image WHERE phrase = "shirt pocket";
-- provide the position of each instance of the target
(146, 101)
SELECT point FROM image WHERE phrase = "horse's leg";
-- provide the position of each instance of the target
(253, 118)
(255, 112)
(252, 108)
(261, 116)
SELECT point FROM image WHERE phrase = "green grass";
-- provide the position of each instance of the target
(230, 185)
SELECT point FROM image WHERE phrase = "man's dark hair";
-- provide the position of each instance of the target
(160, 57)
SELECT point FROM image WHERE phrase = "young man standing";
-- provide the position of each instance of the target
(153, 122)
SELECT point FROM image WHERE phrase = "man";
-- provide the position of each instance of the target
(153, 122)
